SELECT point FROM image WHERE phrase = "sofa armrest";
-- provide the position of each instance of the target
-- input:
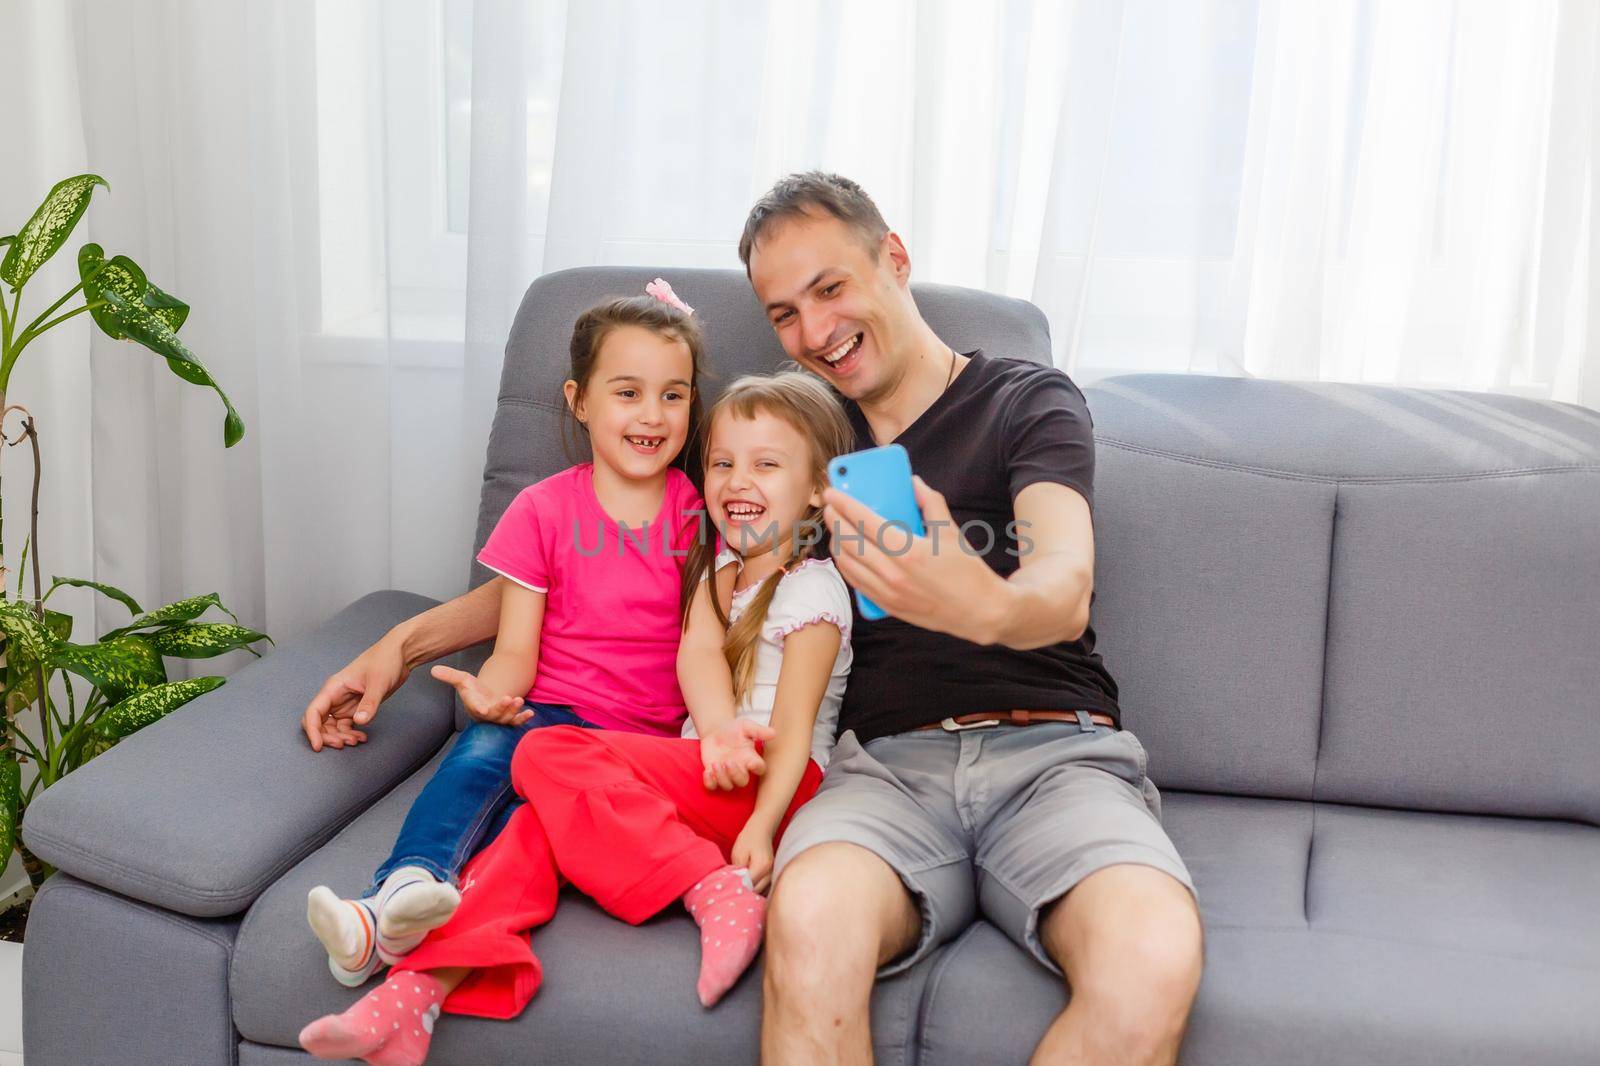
(202, 811)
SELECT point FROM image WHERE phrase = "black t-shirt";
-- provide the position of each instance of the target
(1002, 425)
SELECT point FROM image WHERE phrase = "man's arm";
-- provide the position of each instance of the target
(1047, 597)
(469, 619)
(350, 697)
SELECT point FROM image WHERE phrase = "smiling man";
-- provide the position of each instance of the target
(980, 769)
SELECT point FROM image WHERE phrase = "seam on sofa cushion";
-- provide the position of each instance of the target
(1408, 942)
(1322, 702)
(947, 955)
(1364, 479)
(89, 888)
(530, 401)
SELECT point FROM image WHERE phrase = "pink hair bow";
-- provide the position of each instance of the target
(663, 292)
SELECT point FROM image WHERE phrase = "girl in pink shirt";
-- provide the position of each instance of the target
(593, 561)
(644, 823)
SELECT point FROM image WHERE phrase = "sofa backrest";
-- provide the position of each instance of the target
(525, 440)
(1353, 593)
(1349, 593)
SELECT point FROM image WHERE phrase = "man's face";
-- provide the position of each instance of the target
(840, 309)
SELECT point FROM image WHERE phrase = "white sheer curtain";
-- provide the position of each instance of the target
(353, 194)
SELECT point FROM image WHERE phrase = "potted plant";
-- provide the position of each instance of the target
(87, 696)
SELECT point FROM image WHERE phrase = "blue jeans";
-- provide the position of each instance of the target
(469, 798)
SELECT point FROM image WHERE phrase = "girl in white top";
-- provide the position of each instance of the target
(810, 591)
(640, 823)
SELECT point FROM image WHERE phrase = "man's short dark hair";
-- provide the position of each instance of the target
(813, 193)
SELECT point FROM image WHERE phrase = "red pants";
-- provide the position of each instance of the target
(623, 816)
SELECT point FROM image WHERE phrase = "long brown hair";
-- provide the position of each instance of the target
(660, 318)
(814, 411)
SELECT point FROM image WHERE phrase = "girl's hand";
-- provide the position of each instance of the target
(753, 850)
(729, 755)
(481, 704)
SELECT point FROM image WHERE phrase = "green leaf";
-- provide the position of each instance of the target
(115, 593)
(151, 705)
(48, 229)
(131, 312)
(10, 803)
(232, 424)
(95, 742)
(171, 310)
(59, 624)
(119, 667)
(178, 611)
(202, 640)
(24, 633)
(24, 641)
(102, 279)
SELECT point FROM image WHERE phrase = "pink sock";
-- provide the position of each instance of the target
(389, 1026)
(731, 916)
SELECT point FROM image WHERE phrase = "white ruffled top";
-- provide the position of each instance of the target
(812, 592)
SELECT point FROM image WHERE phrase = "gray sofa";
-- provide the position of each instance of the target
(1357, 628)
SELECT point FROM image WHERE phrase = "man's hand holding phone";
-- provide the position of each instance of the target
(930, 579)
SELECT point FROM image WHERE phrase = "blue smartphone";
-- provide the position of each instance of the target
(881, 479)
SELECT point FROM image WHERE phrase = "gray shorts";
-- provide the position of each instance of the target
(1000, 821)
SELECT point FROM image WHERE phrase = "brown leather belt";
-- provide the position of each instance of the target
(989, 718)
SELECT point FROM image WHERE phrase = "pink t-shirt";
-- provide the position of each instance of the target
(608, 647)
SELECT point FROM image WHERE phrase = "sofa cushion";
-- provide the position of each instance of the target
(1339, 934)
(1211, 590)
(1462, 671)
(611, 991)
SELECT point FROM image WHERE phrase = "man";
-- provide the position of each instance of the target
(980, 769)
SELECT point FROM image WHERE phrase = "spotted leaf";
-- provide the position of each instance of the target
(130, 308)
(120, 667)
(24, 631)
(10, 802)
(22, 672)
(202, 640)
(177, 611)
(151, 705)
(103, 279)
(171, 310)
(48, 229)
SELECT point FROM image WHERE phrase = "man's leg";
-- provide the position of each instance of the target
(1128, 938)
(838, 912)
(1076, 869)
(872, 874)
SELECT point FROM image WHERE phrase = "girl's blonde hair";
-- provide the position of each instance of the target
(814, 411)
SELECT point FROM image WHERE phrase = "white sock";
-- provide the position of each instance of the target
(410, 903)
(348, 929)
